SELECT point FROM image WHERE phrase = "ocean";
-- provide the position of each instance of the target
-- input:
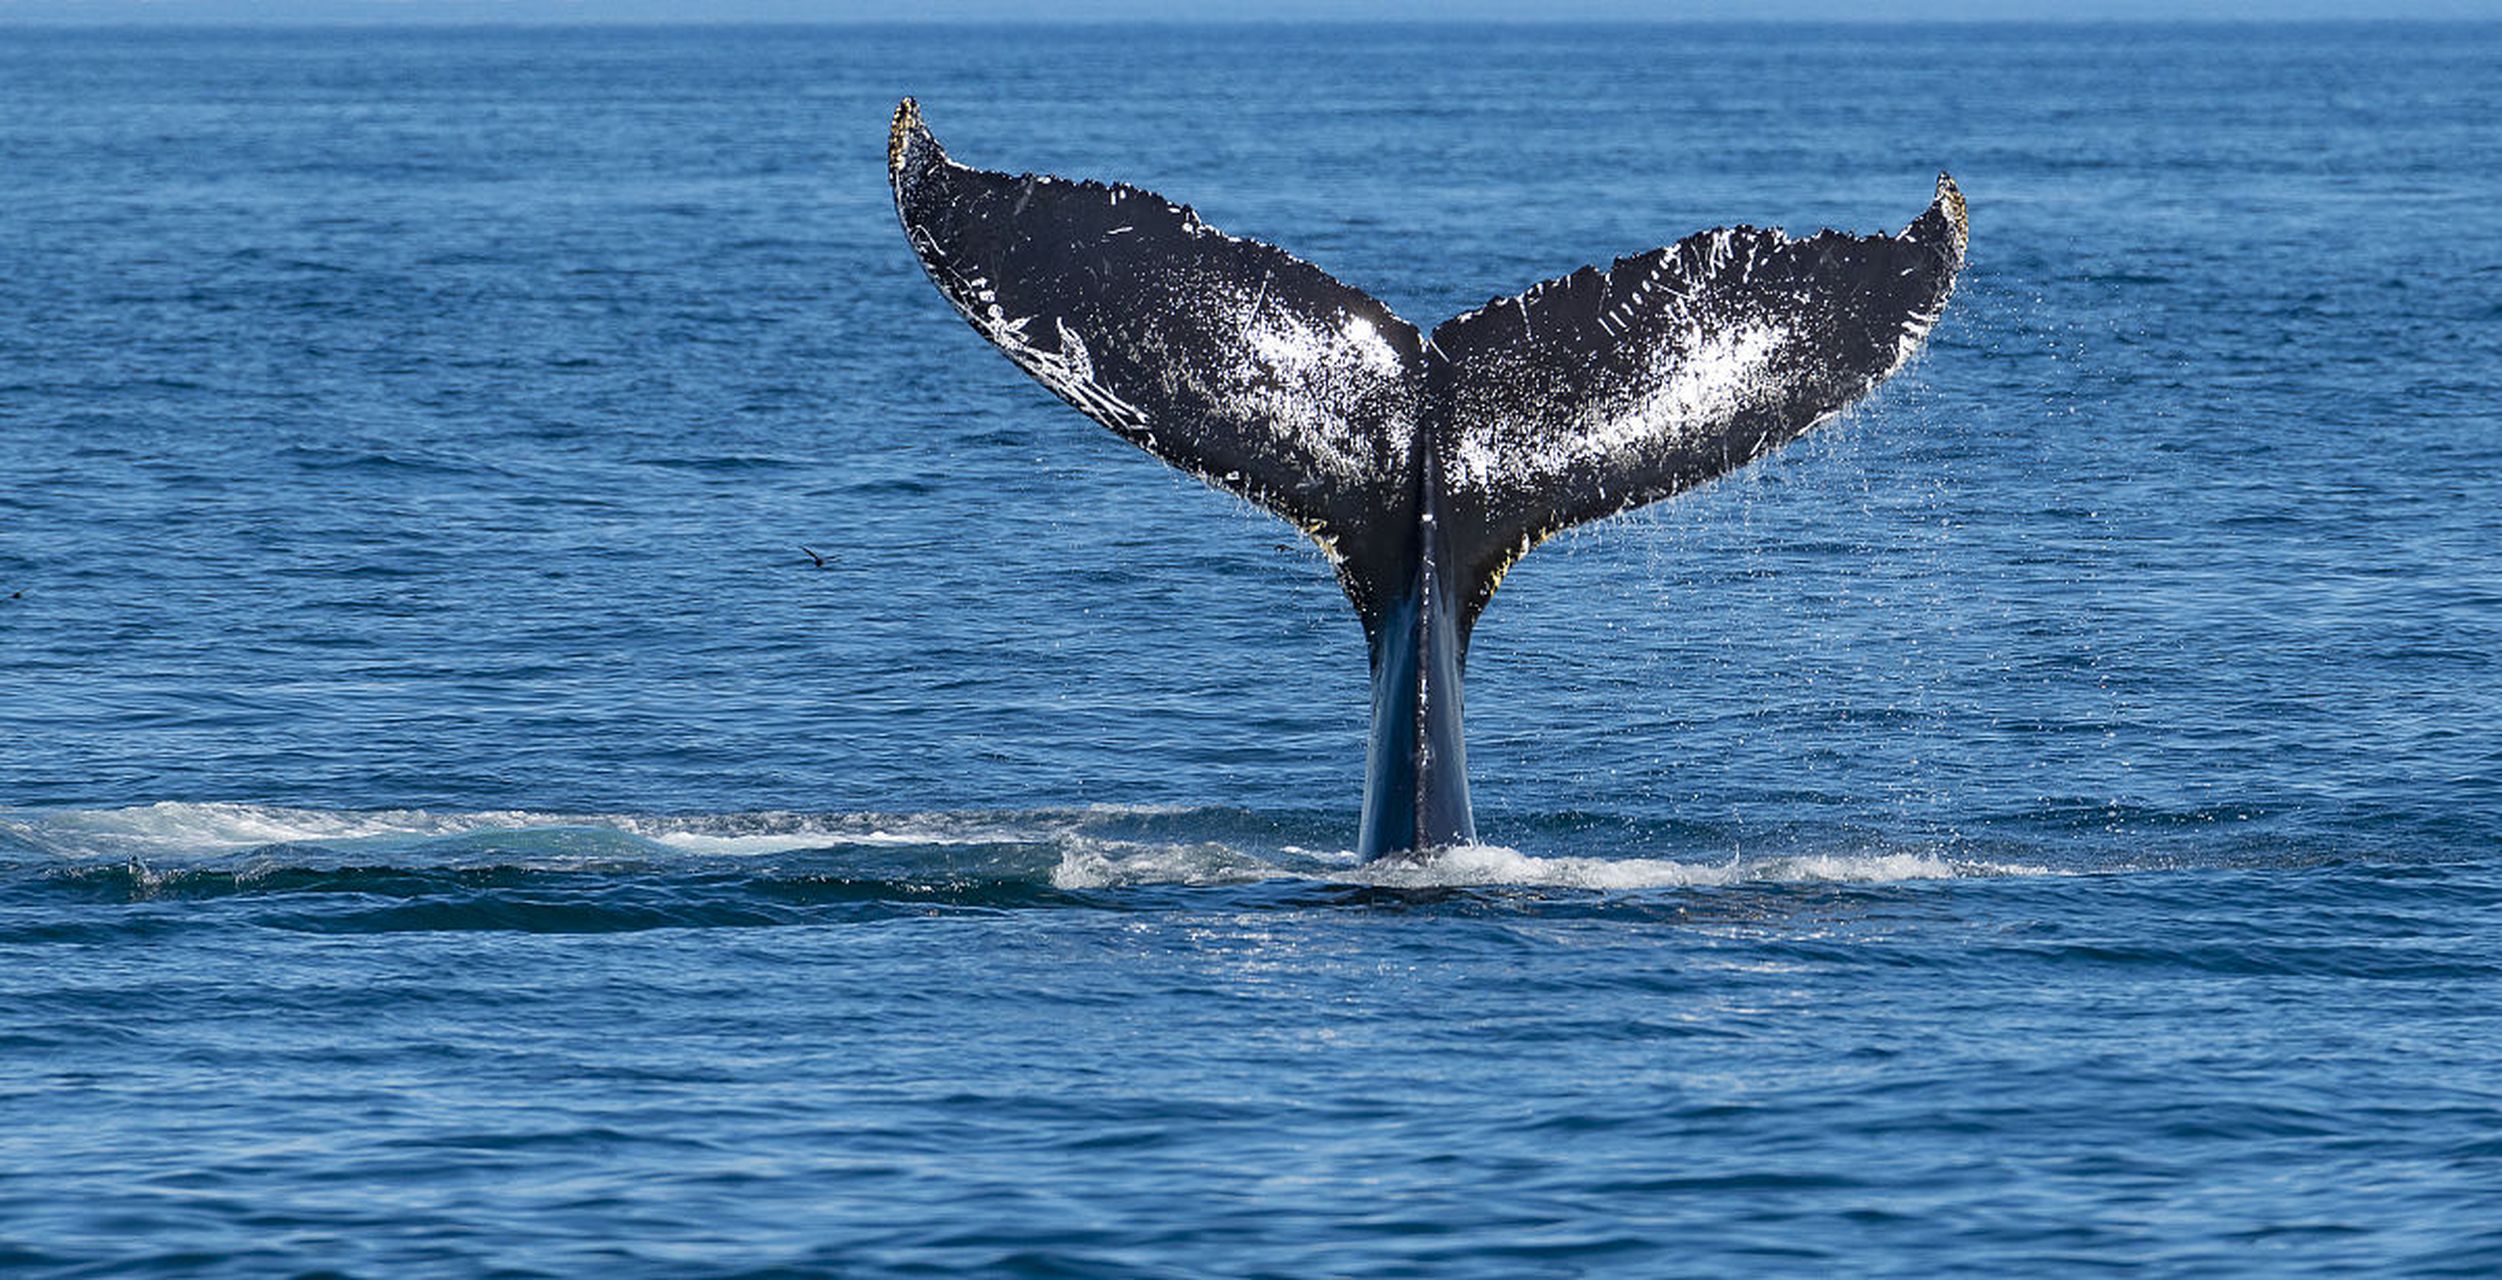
(2047, 822)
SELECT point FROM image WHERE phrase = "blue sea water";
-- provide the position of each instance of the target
(2049, 822)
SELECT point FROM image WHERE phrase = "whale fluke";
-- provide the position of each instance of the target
(1422, 468)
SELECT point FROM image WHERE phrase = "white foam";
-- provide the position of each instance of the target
(178, 827)
(1490, 865)
(1110, 864)
(173, 831)
(756, 846)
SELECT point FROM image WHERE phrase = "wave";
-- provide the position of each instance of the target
(176, 829)
(1070, 849)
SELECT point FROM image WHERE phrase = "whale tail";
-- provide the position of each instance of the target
(1422, 468)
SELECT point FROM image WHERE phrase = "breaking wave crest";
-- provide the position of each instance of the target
(1075, 850)
(1495, 865)
(184, 830)
(1100, 865)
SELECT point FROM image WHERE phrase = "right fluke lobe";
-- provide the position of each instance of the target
(1603, 390)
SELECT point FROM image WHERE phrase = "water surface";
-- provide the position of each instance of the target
(2046, 821)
